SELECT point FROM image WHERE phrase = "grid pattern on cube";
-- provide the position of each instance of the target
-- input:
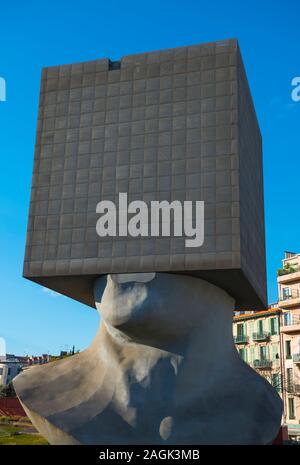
(162, 127)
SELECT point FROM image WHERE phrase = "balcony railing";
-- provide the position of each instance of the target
(296, 389)
(262, 363)
(288, 270)
(293, 388)
(241, 339)
(261, 336)
(296, 358)
(293, 294)
(291, 320)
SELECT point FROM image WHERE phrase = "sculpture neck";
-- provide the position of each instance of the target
(207, 345)
(170, 313)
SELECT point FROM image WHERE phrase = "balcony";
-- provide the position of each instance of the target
(290, 300)
(288, 274)
(291, 324)
(288, 269)
(241, 339)
(262, 364)
(296, 358)
(293, 388)
(262, 336)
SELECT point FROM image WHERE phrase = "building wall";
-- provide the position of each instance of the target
(289, 284)
(8, 371)
(257, 338)
(289, 300)
(282, 350)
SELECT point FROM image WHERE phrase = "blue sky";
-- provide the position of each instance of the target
(35, 34)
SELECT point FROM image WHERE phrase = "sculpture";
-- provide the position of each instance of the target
(162, 369)
(163, 126)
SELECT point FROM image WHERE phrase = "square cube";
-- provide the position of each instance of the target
(176, 124)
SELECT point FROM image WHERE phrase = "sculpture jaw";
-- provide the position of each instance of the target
(166, 311)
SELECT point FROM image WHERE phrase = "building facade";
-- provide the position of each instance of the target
(9, 369)
(257, 338)
(288, 280)
(11, 365)
(269, 341)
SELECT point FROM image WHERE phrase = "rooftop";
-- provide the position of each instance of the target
(258, 314)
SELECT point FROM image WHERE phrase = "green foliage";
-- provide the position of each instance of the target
(7, 391)
(17, 430)
(17, 435)
(288, 268)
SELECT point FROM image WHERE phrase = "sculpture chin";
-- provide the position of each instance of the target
(162, 369)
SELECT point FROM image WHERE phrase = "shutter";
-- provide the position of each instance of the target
(251, 328)
(275, 351)
(276, 325)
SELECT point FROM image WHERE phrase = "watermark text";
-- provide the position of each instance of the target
(163, 218)
(2, 89)
(296, 89)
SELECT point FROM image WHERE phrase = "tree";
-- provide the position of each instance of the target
(275, 377)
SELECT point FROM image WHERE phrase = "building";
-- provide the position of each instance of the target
(30, 360)
(176, 124)
(257, 338)
(288, 280)
(11, 365)
(270, 341)
(9, 369)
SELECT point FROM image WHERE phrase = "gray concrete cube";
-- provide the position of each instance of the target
(175, 124)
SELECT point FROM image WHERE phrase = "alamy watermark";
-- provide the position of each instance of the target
(2, 89)
(187, 219)
(296, 89)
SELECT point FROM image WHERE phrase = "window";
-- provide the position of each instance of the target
(287, 318)
(289, 378)
(291, 409)
(1, 371)
(274, 325)
(8, 371)
(240, 330)
(243, 354)
(286, 293)
(288, 351)
(276, 381)
(260, 326)
(263, 352)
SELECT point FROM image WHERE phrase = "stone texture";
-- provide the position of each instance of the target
(174, 124)
(163, 369)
